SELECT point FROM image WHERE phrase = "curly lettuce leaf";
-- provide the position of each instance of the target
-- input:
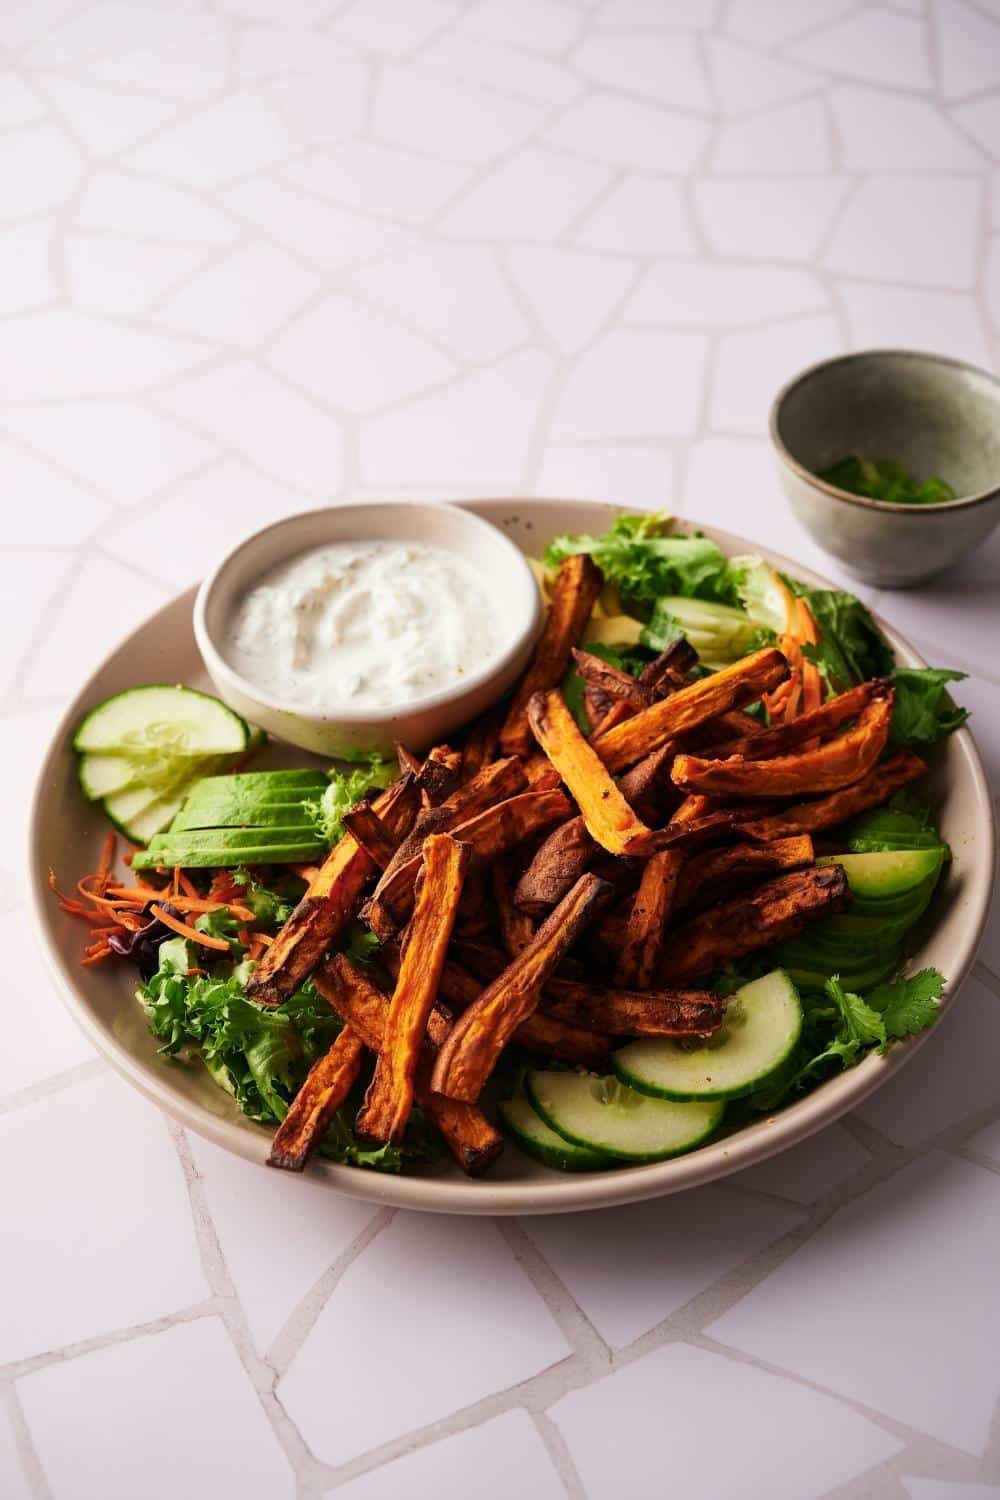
(346, 788)
(643, 561)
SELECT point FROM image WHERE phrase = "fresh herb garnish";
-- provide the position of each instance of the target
(346, 788)
(884, 479)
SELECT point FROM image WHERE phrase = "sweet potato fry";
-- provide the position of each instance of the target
(364, 823)
(596, 705)
(771, 912)
(671, 669)
(574, 593)
(439, 775)
(557, 865)
(835, 764)
(609, 818)
(330, 904)
(478, 1037)
(490, 833)
(481, 744)
(616, 685)
(407, 760)
(762, 744)
(715, 873)
(326, 1088)
(616, 714)
(827, 812)
(541, 774)
(516, 927)
(647, 918)
(469, 1136)
(390, 1095)
(734, 686)
(623, 1012)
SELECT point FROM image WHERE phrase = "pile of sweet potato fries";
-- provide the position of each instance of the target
(560, 891)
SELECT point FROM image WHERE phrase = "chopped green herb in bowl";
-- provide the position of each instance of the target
(884, 479)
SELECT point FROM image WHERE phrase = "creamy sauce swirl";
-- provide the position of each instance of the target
(362, 625)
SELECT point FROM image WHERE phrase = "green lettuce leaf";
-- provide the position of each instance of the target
(924, 712)
(346, 788)
(639, 557)
(885, 479)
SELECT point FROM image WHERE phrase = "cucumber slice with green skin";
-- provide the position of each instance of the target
(537, 1139)
(762, 1028)
(140, 814)
(895, 873)
(812, 977)
(603, 1115)
(209, 859)
(235, 838)
(106, 776)
(254, 783)
(243, 813)
(165, 720)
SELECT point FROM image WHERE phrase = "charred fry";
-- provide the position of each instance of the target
(609, 818)
(715, 873)
(651, 905)
(566, 854)
(691, 706)
(469, 1055)
(671, 669)
(326, 1088)
(827, 812)
(615, 684)
(835, 764)
(623, 1012)
(390, 1095)
(364, 823)
(516, 927)
(439, 775)
(494, 783)
(574, 594)
(330, 904)
(763, 916)
(469, 1136)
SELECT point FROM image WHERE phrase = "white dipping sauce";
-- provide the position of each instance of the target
(362, 625)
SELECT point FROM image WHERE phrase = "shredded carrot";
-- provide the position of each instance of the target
(187, 884)
(808, 630)
(191, 933)
(107, 861)
(95, 958)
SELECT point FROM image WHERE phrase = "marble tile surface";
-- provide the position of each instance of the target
(260, 257)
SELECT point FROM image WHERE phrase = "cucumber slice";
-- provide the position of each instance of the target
(536, 1139)
(243, 812)
(141, 813)
(106, 775)
(762, 1028)
(894, 873)
(163, 720)
(813, 977)
(207, 859)
(605, 1116)
(235, 838)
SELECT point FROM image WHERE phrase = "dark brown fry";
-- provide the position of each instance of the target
(671, 669)
(609, 818)
(516, 927)
(331, 902)
(768, 914)
(469, 1136)
(439, 775)
(827, 812)
(574, 594)
(558, 863)
(390, 1095)
(834, 764)
(616, 685)
(371, 833)
(734, 686)
(715, 873)
(651, 904)
(470, 1054)
(490, 833)
(596, 705)
(326, 1088)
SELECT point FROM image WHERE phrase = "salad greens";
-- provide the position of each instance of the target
(885, 479)
(346, 788)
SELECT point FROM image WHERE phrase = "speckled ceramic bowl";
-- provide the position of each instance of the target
(934, 415)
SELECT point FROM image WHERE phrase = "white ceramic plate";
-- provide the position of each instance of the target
(66, 834)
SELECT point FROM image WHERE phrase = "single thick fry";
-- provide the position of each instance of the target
(834, 764)
(556, 866)
(389, 1099)
(763, 916)
(364, 824)
(574, 594)
(827, 812)
(478, 1037)
(690, 706)
(714, 873)
(616, 685)
(609, 818)
(490, 833)
(763, 744)
(326, 1088)
(439, 775)
(469, 1136)
(330, 904)
(516, 927)
(671, 669)
(596, 705)
(624, 1012)
(650, 911)
(481, 744)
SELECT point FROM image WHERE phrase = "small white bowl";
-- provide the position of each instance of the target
(509, 592)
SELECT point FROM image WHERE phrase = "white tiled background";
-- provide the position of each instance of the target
(260, 254)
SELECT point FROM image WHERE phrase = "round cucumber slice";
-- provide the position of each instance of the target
(140, 814)
(762, 1028)
(604, 1115)
(208, 859)
(536, 1139)
(106, 775)
(163, 720)
(243, 812)
(893, 873)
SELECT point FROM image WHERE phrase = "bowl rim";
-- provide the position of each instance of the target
(494, 666)
(886, 507)
(564, 1193)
